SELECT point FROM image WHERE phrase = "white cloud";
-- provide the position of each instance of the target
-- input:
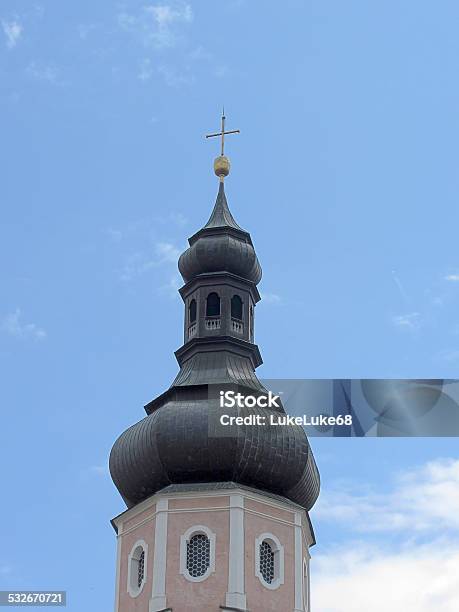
(178, 218)
(13, 32)
(146, 70)
(155, 25)
(170, 289)
(165, 15)
(115, 234)
(454, 278)
(409, 321)
(138, 263)
(200, 54)
(13, 326)
(400, 286)
(175, 78)
(449, 355)
(271, 298)
(84, 29)
(424, 499)
(167, 252)
(361, 579)
(43, 72)
(99, 470)
(414, 571)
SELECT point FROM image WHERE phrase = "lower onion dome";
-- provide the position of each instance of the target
(184, 442)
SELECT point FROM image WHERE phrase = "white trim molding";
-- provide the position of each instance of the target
(118, 572)
(158, 594)
(184, 539)
(278, 550)
(299, 589)
(236, 596)
(133, 561)
(306, 584)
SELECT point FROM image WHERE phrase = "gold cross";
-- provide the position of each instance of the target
(223, 133)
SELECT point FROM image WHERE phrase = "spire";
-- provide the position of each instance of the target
(221, 215)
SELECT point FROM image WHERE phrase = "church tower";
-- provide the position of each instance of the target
(217, 514)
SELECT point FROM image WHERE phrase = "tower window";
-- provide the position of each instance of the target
(269, 561)
(137, 563)
(236, 307)
(198, 555)
(192, 311)
(213, 305)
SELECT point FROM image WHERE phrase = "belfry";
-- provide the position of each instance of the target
(217, 516)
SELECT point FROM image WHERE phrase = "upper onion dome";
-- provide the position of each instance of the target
(220, 246)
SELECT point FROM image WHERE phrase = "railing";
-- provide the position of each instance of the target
(237, 326)
(213, 324)
(192, 329)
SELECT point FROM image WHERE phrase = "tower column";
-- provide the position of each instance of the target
(299, 589)
(158, 596)
(236, 596)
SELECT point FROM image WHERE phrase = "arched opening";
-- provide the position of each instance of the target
(137, 569)
(269, 561)
(236, 307)
(197, 553)
(213, 305)
(192, 311)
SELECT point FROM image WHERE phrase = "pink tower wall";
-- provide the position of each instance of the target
(212, 510)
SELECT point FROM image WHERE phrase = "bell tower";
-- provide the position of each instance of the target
(217, 516)
(221, 272)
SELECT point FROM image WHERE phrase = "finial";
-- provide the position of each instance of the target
(222, 163)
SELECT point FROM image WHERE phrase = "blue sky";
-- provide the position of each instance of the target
(345, 173)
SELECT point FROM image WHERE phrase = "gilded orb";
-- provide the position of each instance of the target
(221, 166)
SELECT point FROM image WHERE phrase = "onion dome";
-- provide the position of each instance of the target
(184, 442)
(221, 245)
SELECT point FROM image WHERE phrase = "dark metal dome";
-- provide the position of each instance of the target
(184, 442)
(221, 245)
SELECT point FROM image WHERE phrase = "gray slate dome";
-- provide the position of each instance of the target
(221, 245)
(183, 442)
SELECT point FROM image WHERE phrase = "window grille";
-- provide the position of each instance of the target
(267, 564)
(198, 555)
(141, 569)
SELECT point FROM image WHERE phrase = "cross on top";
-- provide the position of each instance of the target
(223, 133)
